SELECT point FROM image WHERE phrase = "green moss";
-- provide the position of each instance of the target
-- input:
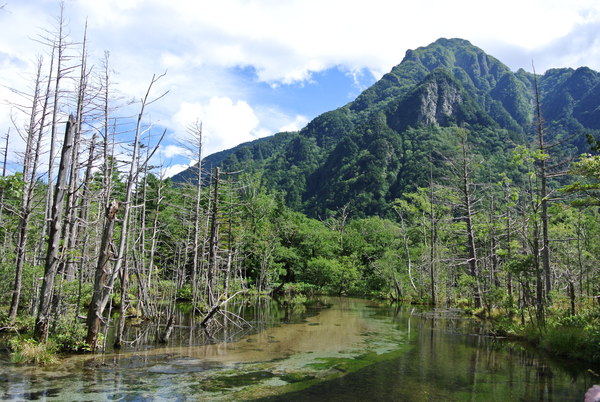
(234, 381)
(297, 377)
(342, 364)
(323, 369)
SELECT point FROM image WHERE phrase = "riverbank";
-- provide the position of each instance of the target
(561, 333)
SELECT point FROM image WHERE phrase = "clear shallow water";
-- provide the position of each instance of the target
(340, 349)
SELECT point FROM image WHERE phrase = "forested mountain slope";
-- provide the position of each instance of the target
(391, 138)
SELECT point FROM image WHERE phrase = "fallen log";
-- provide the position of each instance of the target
(214, 309)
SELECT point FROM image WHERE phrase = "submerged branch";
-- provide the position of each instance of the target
(217, 307)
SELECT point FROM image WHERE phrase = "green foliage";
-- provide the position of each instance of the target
(26, 350)
(70, 292)
(69, 336)
(184, 293)
(521, 265)
(572, 342)
(31, 273)
(465, 285)
(321, 271)
(575, 336)
(588, 187)
(12, 186)
(299, 288)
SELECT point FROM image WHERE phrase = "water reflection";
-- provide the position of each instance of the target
(453, 360)
(333, 349)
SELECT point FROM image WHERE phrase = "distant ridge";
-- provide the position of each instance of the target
(370, 151)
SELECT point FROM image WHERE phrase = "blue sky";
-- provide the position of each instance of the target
(250, 68)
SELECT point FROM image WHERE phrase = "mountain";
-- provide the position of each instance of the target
(385, 142)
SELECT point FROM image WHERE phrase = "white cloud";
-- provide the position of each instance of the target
(170, 151)
(225, 123)
(201, 43)
(298, 123)
(287, 40)
(172, 170)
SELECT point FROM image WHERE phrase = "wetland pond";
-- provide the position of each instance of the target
(330, 349)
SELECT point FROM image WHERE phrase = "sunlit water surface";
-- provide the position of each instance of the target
(336, 349)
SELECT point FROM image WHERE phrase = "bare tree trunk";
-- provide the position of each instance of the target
(154, 238)
(196, 132)
(139, 243)
(5, 237)
(543, 196)
(103, 271)
(493, 245)
(508, 227)
(535, 250)
(205, 248)
(432, 239)
(83, 217)
(213, 242)
(4, 175)
(30, 164)
(468, 206)
(129, 184)
(71, 222)
(406, 249)
(107, 252)
(229, 241)
(59, 46)
(52, 255)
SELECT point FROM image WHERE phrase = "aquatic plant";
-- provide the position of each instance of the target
(26, 350)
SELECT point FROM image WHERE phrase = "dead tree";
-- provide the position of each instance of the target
(82, 217)
(4, 173)
(101, 291)
(468, 200)
(59, 44)
(119, 267)
(30, 166)
(461, 171)
(196, 132)
(74, 196)
(545, 251)
(399, 209)
(103, 271)
(52, 254)
(213, 242)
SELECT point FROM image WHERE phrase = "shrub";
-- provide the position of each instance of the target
(184, 292)
(568, 341)
(291, 289)
(70, 336)
(27, 350)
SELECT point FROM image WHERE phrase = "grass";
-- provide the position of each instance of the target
(29, 351)
(571, 336)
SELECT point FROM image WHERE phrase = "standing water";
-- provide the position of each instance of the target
(336, 349)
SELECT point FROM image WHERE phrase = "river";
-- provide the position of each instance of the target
(334, 349)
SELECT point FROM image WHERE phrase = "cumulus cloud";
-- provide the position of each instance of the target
(298, 123)
(286, 41)
(225, 123)
(202, 45)
(171, 150)
(172, 170)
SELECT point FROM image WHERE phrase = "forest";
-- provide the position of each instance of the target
(465, 214)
